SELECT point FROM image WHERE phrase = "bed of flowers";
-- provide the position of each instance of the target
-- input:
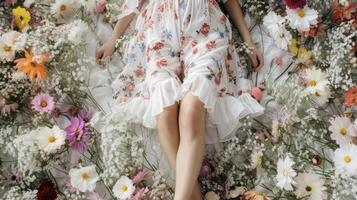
(62, 138)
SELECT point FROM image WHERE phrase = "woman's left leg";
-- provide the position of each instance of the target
(191, 148)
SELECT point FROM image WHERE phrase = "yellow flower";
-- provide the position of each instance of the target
(22, 17)
(299, 50)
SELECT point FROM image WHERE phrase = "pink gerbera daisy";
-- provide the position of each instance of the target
(43, 103)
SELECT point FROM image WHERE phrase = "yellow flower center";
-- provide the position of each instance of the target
(85, 176)
(347, 159)
(308, 188)
(63, 7)
(7, 48)
(51, 139)
(285, 173)
(301, 13)
(124, 188)
(317, 94)
(313, 83)
(343, 131)
(43, 104)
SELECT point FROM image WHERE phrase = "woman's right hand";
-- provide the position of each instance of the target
(104, 52)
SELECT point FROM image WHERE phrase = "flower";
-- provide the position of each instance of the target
(13, 178)
(237, 191)
(64, 9)
(276, 28)
(101, 6)
(343, 10)
(351, 96)
(77, 134)
(28, 3)
(211, 196)
(123, 188)
(85, 114)
(50, 140)
(43, 103)
(253, 195)
(35, 69)
(140, 194)
(315, 30)
(22, 17)
(77, 33)
(207, 170)
(342, 130)
(345, 159)
(301, 19)
(294, 4)
(257, 93)
(256, 159)
(46, 191)
(7, 41)
(316, 81)
(140, 176)
(84, 179)
(311, 186)
(285, 173)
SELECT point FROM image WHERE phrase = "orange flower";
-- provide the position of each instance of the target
(342, 13)
(351, 96)
(34, 69)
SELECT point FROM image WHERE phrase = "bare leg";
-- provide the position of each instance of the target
(191, 148)
(167, 123)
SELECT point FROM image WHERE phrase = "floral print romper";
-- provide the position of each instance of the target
(181, 46)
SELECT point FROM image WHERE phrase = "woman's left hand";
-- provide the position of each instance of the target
(256, 57)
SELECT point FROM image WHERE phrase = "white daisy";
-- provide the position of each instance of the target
(301, 19)
(84, 179)
(50, 140)
(285, 174)
(7, 42)
(64, 9)
(310, 187)
(317, 82)
(342, 130)
(123, 188)
(322, 97)
(276, 27)
(345, 159)
(256, 159)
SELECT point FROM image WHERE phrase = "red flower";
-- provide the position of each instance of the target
(294, 4)
(46, 191)
(351, 96)
(158, 46)
(162, 63)
(211, 44)
(205, 29)
(342, 13)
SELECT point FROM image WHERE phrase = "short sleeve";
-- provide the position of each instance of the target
(129, 7)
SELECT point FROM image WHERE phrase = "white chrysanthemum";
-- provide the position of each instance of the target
(84, 179)
(345, 159)
(276, 27)
(317, 82)
(78, 32)
(302, 19)
(7, 45)
(310, 187)
(285, 174)
(50, 140)
(342, 130)
(256, 159)
(322, 97)
(64, 9)
(123, 188)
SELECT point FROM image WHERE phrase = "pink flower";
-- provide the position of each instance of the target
(43, 103)
(138, 177)
(257, 93)
(101, 6)
(13, 178)
(294, 4)
(77, 134)
(140, 194)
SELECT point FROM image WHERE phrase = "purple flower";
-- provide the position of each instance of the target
(43, 103)
(207, 169)
(85, 114)
(77, 134)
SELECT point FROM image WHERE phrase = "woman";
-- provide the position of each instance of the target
(182, 77)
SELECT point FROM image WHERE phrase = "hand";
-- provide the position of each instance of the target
(256, 57)
(104, 52)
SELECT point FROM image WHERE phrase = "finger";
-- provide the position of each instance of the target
(261, 60)
(253, 58)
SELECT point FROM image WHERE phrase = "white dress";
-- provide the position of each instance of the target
(181, 46)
